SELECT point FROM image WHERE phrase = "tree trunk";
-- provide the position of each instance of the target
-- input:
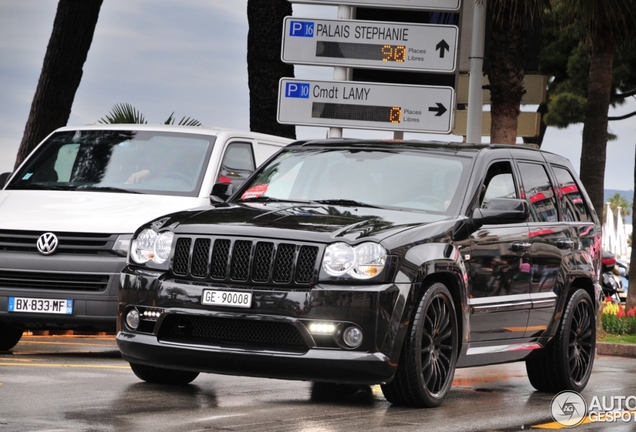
(71, 38)
(507, 59)
(264, 66)
(594, 146)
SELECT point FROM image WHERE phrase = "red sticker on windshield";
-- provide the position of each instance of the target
(254, 191)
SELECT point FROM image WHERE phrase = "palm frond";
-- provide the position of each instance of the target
(123, 113)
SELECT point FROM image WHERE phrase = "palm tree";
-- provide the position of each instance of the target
(126, 113)
(605, 24)
(70, 40)
(616, 201)
(509, 23)
(264, 66)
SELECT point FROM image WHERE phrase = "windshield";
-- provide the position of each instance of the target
(405, 179)
(118, 161)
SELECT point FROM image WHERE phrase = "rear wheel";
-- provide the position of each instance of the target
(566, 363)
(427, 364)
(159, 375)
(9, 336)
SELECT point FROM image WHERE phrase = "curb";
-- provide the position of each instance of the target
(616, 349)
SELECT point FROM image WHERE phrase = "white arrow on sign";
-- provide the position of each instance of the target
(445, 5)
(371, 44)
(362, 105)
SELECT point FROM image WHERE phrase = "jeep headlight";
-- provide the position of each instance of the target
(363, 261)
(150, 246)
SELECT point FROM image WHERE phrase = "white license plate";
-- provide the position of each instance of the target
(40, 305)
(226, 298)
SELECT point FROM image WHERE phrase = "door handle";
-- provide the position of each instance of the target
(521, 246)
(565, 244)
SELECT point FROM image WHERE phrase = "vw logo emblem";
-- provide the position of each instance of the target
(47, 243)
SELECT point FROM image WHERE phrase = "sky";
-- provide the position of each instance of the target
(190, 57)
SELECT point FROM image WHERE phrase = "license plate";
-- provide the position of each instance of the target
(226, 298)
(39, 305)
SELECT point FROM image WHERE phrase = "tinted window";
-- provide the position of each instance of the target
(499, 183)
(538, 192)
(237, 164)
(574, 208)
(414, 180)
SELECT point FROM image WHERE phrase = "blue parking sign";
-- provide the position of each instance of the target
(297, 90)
(301, 28)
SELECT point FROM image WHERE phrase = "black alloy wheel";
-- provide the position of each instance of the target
(427, 363)
(566, 363)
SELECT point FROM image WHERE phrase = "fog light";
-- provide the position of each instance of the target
(132, 319)
(322, 328)
(352, 336)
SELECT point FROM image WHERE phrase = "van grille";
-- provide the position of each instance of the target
(68, 242)
(54, 281)
(239, 260)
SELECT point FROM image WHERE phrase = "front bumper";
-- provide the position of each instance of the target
(270, 339)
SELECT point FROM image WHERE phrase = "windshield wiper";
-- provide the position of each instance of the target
(106, 189)
(269, 199)
(344, 202)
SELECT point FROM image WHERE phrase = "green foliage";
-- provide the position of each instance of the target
(123, 113)
(616, 201)
(127, 114)
(617, 321)
(565, 109)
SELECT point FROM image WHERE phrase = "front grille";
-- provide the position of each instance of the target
(225, 331)
(68, 243)
(253, 261)
(53, 281)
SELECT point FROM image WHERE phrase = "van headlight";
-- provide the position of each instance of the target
(149, 246)
(362, 261)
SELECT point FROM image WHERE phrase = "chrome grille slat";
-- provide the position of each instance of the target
(249, 261)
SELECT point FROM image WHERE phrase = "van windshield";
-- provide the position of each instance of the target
(118, 161)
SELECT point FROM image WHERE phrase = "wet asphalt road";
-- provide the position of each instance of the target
(80, 383)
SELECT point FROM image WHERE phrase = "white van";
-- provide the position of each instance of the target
(68, 212)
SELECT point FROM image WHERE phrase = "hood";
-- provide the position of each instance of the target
(319, 222)
(73, 211)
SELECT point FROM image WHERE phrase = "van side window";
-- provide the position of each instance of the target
(538, 192)
(498, 183)
(237, 164)
(573, 204)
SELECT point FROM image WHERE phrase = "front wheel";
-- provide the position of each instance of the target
(427, 364)
(566, 363)
(9, 336)
(159, 375)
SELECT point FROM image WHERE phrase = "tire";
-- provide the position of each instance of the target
(159, 375)
(427, 363)
(566, 363)
(9, 336)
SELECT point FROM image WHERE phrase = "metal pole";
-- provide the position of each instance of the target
(476, 75)
(340, 73)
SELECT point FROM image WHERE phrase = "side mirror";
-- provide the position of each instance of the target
(500, 211)
(221, 192)
(3, 178)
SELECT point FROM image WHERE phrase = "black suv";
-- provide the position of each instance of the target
(373, 262)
